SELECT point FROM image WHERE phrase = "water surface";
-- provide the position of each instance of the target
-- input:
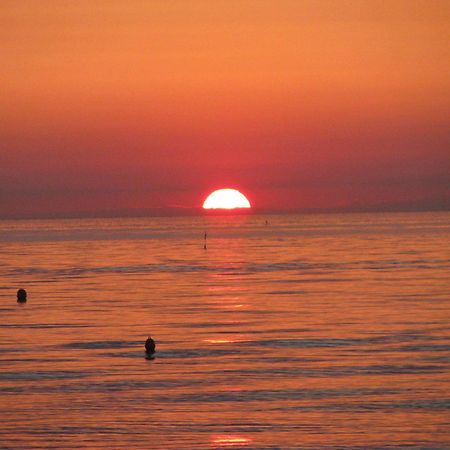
(316, 331)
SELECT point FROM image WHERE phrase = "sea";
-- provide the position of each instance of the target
(315, 331)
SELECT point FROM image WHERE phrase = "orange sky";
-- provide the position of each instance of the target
(112, 105)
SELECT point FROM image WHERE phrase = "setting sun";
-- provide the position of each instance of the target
(226, 199)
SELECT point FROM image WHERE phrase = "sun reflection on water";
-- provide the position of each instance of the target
(229, 440)
(218, 341)
(238, 338)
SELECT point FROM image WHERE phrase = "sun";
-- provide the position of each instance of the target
(226, 199)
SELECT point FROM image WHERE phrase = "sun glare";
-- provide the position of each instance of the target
(226, 199)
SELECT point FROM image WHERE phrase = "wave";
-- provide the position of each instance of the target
(237, 268)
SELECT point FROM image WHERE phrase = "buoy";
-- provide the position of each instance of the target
(21, 295)
(150, 346)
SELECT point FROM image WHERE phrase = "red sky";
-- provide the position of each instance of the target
(114, 105)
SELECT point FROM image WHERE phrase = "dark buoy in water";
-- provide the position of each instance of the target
(204, 246)
(150, 347)
(21, 296)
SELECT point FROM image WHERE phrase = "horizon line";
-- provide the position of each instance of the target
(199, 211)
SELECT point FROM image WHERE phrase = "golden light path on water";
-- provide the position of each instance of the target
(230, 440)
(316, 332)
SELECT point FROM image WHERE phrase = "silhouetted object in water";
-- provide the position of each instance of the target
(21, 295)
(204, 246)
(150, 346)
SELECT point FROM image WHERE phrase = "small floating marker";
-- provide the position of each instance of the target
(150, 347)
(21, 296)
(204, 246)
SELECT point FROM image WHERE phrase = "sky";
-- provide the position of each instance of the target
(113, 106)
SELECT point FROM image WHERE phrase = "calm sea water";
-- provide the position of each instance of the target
(309, 332)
